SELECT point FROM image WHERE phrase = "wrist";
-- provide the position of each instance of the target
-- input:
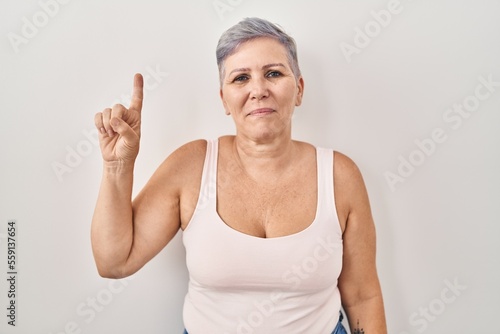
(118, 167)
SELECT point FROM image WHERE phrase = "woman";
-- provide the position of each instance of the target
(278, 233)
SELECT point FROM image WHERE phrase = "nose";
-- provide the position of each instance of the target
(258, 89)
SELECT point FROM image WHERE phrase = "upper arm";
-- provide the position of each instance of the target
(358, 280)
(157, 207)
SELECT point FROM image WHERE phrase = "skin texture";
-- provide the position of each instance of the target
(266, 181)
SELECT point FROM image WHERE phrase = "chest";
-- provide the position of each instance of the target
(267, 209)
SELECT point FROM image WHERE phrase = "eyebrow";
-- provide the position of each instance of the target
(246, 69)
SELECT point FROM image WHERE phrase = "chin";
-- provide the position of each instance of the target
(267, 134)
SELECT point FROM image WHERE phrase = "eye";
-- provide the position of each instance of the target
(241, 78)
(273, 74)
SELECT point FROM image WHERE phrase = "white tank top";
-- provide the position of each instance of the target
(240, 283)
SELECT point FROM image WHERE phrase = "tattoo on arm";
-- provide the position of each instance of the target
(357, 330)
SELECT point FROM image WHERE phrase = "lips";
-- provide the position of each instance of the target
(261, 112)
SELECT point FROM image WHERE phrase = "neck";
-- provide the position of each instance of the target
(261, 159)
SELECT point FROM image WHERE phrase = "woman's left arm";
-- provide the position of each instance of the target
(358, 282)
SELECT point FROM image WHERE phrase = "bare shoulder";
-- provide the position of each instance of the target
(190, 153)
(170, 194)
(349, 187)
(186, 162)
(178, 170)
(346, 172)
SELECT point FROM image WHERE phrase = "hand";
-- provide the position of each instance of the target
(120, 128)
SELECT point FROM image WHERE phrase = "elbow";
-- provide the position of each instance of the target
(108, 267)
(111, 272)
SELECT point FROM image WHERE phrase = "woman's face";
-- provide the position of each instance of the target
(260, 90)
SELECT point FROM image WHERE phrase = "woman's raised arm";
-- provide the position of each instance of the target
(126, 235)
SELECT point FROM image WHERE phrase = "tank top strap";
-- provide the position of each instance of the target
(326, 197)
(208, 187)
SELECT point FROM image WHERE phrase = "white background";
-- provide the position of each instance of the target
(436, 226)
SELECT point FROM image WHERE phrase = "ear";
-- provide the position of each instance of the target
(221, 94)
(300, 91)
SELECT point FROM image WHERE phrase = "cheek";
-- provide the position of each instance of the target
(292, 95)
(234, 101)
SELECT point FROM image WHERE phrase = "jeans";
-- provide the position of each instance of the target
(339, 329)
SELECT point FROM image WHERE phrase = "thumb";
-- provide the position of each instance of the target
(123, 129)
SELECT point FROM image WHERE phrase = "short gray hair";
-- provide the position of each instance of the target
(251, 28)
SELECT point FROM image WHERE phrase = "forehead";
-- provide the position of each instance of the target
(257, 52)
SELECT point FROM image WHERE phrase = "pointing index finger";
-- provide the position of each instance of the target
(137, 93)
